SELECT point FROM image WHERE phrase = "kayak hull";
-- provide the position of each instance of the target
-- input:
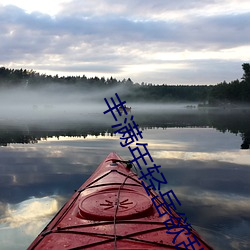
(112, 210)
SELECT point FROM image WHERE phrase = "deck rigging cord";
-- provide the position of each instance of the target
(109, 238)
(129, 165)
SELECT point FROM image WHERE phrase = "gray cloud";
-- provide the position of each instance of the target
(83, 68)
(220, 29)
(109, 39)
(224, 31)
(133, 8)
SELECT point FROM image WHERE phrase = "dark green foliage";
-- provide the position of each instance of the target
(246, 75)
(220, 94)
(234, 92)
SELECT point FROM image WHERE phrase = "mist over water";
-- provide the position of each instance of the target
(198, 149)
(55, 102)
(60, 107)
(58, 103)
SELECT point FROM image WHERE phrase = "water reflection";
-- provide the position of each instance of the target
(205, 168)
(233, 121)
(29, 210)
(20, 222)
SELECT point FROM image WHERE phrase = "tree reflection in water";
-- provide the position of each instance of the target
(233, 121)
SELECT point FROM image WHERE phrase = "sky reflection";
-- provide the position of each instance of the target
(236, 156)
(203, 166)
(25, 219)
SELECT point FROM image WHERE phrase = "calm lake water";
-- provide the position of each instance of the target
(44, 158)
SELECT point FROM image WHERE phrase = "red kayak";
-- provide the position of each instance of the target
(112, 210)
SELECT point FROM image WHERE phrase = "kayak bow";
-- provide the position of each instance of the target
(112, 210)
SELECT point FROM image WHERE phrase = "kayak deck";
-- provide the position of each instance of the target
(112, 210)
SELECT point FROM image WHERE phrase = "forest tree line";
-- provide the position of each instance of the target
(236, 91)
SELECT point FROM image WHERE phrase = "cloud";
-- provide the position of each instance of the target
(29, 210)
(116, 30)
(115, 38)
(26, 220)
(143, 10)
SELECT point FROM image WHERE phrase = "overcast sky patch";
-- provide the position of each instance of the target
(148, 41)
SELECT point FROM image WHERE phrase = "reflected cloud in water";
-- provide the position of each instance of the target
(191, 139)
(237, 157)
(202, 165)
(31, 209)
(226, 216)
(21, 222)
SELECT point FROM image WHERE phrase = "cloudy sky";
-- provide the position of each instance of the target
(157, 41)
